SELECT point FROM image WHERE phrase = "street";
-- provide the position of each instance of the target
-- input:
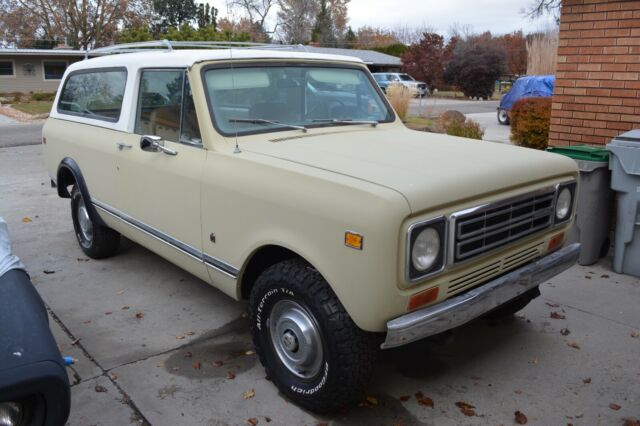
(13, 133)
(157, 346)
(432, 107)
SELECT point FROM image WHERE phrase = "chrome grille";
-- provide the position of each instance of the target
(489, 227)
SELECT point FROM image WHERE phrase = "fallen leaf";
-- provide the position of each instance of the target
(126, 308)
(574, 345)
(267, 419)
(108, 313)
(175, 369)
(180, 337)
(249, 394)
(86, 322)
(100, 389)
(419, 395)
(635, 334)
(521, 419)
(565, 332)
(615, 406)
(217, 364)
(189, 333)
(466, 408)
(587, 277)
(405, 398)
(557, 315)
(231, 376)
(49, 272)
(372, 400)
(114, 376)
(82, 259)
(139, 315)
(552, 305)
(252, 421)
(534, 361)
(121, 291)
(517, 391)
(251, 352)
(426, 401)
(188, 355)
(604, 276)
(586, 381)
(631, 422)
(26, 220)
(197, 365)
(322, 424)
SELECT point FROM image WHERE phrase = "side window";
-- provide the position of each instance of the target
(94, 94)
(190, 132)
(166, 108)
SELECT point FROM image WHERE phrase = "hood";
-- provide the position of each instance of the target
(430, 170)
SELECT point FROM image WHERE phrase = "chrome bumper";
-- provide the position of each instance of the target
(463, 308)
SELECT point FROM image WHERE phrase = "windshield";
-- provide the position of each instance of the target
(406, 77)
(274, 98)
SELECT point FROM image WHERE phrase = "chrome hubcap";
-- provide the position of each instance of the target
(86, 227)
(295, 336)
(503, 115)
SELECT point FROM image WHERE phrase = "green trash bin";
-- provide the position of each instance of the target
(593, 214)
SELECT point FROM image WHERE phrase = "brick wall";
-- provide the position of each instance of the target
(597, 90)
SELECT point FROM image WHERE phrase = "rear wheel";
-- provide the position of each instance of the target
(96, 241)
(503, 117)
(309, 346)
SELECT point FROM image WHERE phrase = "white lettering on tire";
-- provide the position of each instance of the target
(317, 387)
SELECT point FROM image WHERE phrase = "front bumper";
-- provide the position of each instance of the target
(463, 308)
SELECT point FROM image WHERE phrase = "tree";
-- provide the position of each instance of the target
(476, 64)
(425, 60)
(542, 7)
(207, 16)
(173, 13)
(324, 29)
(350, 39)
(397, 49)
(296, 20)
(515, 48)
(370, 37)
(256, 11)
(83, 23)
(339, 15)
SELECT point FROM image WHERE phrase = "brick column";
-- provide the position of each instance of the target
(597, 90)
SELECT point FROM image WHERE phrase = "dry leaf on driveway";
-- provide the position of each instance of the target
(217, 364)
(466, 408)
(565, 332)
(586, 381)
(372, 400)
(404, 398)
(574, 345)
(615, 406)
(230, 376)
(120, 291)
(252, 421)
(249, 394)
(26, 220)
(635, 333)
(521, 419)
(100, 389)
(557, 315)
(426, 401)
(139, 315)
(197, 365)
(631, 422)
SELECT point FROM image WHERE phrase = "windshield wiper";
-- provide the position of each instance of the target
(264, 121)
(373, 123)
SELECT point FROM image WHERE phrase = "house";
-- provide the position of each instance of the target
(34, 70)
(597, 89)
(40, 70)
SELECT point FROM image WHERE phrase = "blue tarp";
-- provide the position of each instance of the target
(528, 87)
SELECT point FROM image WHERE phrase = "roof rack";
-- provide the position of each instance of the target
(169, 46)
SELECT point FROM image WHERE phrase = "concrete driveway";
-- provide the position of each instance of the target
(157, 346)
(13, 133)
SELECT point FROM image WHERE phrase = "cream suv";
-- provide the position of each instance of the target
(285, 179)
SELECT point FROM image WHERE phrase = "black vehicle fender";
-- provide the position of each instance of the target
(68, 174)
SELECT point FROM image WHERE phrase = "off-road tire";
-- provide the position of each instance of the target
(503, 117)
(103, 242)
(513, 306)
(348, 352)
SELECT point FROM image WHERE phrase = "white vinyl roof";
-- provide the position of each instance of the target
(186, 58)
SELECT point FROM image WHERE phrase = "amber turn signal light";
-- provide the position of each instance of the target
(353, 240)
(556, 242)
(422, 298)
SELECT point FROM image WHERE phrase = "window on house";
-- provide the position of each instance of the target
(94, 94)
(6, 68)
(54, 70)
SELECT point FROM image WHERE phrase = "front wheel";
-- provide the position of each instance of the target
(503, 117)
(308, 344)
(96, 241)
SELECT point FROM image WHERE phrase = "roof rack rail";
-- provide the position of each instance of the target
(169, 46)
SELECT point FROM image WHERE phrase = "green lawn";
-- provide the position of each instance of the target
(34, 107)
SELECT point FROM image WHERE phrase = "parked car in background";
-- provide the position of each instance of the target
(34, 388)
(287, 180)
(386, 79)
(525, 87)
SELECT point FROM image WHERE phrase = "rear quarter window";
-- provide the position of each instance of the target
(95, 94)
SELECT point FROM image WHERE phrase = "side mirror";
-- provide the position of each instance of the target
(153, 143)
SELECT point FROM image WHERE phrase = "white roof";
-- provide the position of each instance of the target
(186, 58)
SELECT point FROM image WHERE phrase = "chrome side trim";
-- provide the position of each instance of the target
(190, 251)
(461, 309)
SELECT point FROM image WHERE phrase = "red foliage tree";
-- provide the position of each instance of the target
(425, 60)
(515, 48)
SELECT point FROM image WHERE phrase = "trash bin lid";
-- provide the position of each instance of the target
(626, 149)
(582, 152)
(630, 139)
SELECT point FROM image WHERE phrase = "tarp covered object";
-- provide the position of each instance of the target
(528, 87)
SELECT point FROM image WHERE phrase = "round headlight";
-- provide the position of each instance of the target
(425, 249)
(11, 413)
(563, 205)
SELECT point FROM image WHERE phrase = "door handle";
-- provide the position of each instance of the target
(122, 146)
